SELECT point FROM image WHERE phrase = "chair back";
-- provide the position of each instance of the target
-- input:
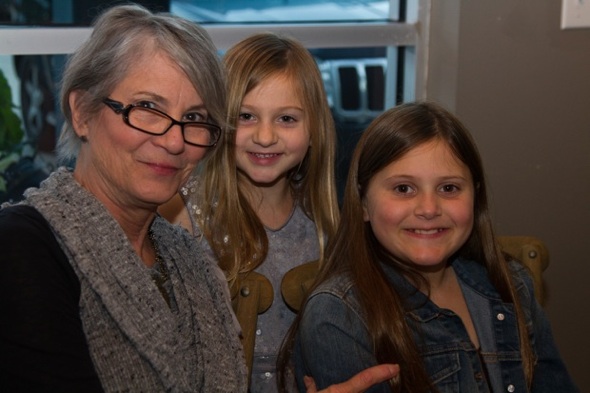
(528, 250)
(251, 295)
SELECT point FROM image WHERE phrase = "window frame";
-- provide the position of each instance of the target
(63, 40)
(389, 34)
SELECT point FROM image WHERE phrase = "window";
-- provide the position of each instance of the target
(365, 49)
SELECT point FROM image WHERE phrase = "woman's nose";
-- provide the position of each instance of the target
(172, 140)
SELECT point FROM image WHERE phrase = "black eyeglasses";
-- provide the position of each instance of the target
(155, 122)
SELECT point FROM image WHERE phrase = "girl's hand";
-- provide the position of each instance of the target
(360, 382)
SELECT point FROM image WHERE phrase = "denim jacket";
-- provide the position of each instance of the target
(333, 342)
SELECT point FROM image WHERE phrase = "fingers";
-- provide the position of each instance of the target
(309, 384)
(360, 382)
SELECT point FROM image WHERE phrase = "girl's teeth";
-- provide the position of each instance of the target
(426, 232)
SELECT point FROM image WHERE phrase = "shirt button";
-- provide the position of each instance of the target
(258, 332)
(501, 317)
(510, 388)
(267, 374)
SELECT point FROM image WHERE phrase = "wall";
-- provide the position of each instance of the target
(522, 85)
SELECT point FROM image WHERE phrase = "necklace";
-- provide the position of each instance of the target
(159, 272)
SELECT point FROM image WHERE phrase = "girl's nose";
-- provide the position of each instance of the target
(265, 134)
(428, 205)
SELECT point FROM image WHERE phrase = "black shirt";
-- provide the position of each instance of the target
(42, 341)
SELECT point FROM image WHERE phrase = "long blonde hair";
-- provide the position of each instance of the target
(231, 226)
(354, 248)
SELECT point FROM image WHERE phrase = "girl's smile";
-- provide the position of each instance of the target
(420, 207)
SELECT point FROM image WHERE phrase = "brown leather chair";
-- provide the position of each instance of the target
(296, 282)
(529, 250)
(533, 253)
(251, 294)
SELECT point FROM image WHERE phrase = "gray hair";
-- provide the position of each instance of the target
(121, 36)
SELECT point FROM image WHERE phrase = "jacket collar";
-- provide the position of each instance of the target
(417, 304)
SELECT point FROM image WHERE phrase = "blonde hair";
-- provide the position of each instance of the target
(231, 226)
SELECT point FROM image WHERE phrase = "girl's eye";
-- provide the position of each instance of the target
(287, 119)
(403, 189)
(246, 116)
(449, 188)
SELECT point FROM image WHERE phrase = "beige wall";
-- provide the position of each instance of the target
(522, 85)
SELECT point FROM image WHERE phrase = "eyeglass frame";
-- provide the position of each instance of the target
(120, 109)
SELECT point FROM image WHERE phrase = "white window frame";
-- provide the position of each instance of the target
(60, 40)
(64, 40)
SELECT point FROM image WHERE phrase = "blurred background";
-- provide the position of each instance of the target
(516, 78)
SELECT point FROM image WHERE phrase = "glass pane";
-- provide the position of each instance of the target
(359, 83)
(27, 138)
(281, 11)
(82, 12)
(62, 12)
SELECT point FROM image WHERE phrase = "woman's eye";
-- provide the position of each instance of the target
(197, 117)
(146, 104)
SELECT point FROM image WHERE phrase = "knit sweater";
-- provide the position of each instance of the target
(136, 342)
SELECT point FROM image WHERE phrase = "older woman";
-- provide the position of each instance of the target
(97, 291)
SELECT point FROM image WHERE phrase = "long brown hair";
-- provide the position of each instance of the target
(355, 250)
(232, 227)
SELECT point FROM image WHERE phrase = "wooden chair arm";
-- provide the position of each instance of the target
(251, 295)
(529, 250)
(296, 282)
(533, 254)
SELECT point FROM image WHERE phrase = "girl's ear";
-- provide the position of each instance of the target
(366, 215)
(79, 121)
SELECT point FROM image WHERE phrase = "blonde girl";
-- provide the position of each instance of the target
(266, 200)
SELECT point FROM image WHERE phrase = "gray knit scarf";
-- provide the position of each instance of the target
(136, 342)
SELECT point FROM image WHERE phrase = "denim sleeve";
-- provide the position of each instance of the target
(332, 344)
(550, 373)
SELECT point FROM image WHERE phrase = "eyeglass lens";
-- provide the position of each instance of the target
(157, 123)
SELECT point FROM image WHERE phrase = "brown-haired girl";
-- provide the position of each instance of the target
(415, 276)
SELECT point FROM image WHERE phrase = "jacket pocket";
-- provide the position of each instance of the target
(443, 369)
